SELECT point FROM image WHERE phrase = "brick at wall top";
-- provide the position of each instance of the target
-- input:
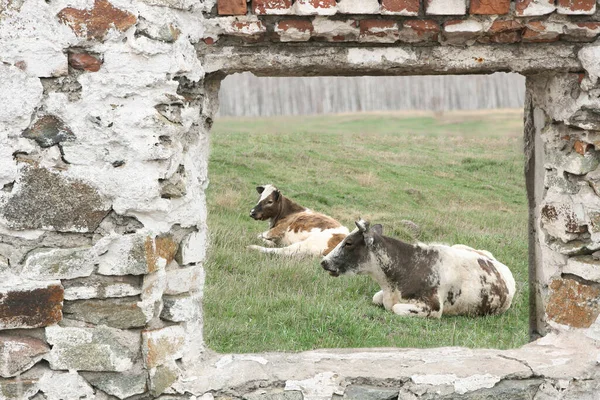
(519, 8)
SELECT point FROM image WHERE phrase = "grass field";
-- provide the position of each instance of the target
(458, 177)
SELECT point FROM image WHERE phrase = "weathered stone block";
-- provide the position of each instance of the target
(122, 313)
(97, 21)
(581, 31)
(333, 31)
(576, 7)
(400, 7)
(462, 31)
(271, 7)
(18, 354)
(586, 267)
(231, 7)
(30, 304)
(121, 385)
(102, 287)
(358, 7)
(163, 376)
(539, 32)
(528, 8)
(560, 221)
(183, 280)
(65, 385)
(419, 31)
(192, 248)
(488, 7)
(42, 199)
(445, 7)
(48, 131)
(60, 264)
(84, 62)
(573, 162)
(573, 303)
(275, 395)
(290, 30)
(378, 30)
(181, 308)
(162, 345)
(357, 392)
(23, 386)
(92, 349)
(314, 7)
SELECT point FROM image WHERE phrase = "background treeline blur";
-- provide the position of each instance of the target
(248, 95)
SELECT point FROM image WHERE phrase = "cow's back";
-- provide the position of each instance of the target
(300, 226)
(473, 282)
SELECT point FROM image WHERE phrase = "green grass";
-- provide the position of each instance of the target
(459, 177)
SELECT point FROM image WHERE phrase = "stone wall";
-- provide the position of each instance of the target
(104, 119)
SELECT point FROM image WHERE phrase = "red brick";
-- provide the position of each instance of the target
(294, 30)
(84, 61)
(505, 26)
(97, 21)
(250, 29)
(419, 31)
(503, 31)
(315, 7)
(573, 303)
(489, 7)
(534, 7)
(401, 7)
(271, 6)
(536, 32)
(576, 6)
(232, 7)
(30, 306)
(298, 24)
(581, 147)
(378, 30)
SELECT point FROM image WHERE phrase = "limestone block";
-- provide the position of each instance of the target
(586, 267)
(445, 7)
(183, 280)
(559, 183)
(65, 385)
(127, 255)
(102, 287)
(573, 303)
(59, 264)
(358, 7)
(92, 349)
(357, 392)
(27, 304)
(275, 395)
(562, 221)
(121, 385)
(573, 162)
(181, 308)
(42, 199)
(192, 248)
(122, 313)
(23, 386)
(19, 353)
(162, 345)
(163, 376)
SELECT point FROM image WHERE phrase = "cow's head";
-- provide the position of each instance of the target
(268, 203)
(353, 254)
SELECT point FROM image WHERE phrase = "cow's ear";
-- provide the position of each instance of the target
(377, 228)
(276, 195)
(260, 189)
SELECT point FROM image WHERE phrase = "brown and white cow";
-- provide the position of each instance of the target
(424, 280)
(300, 230)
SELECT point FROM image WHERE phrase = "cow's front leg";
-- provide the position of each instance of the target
(378, 298)
(414, 310)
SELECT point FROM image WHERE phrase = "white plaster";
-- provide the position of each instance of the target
(193, 247)
(467, 26)
(183, 280)
(324, 27)
(320, 387)
(65, 385)
(229, 358)
(446, 7)
(538, 7)
(358, 7)
(292, 34)
(378, 56)
(461, 385)
(589, 56)
(304, 7)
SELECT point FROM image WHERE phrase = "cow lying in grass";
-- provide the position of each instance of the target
(424, 280)
(300, 230)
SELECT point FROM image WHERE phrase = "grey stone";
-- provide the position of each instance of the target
(117, 384)
(65, 385)
(507, 389)
(163, 377)
(586, 267)
(183, 280)
(92, 349)
(173, 188)
(46, 200)
(275, 395)
(160, 346)
(356, 392)
(24, 386)
(48, 131)
(102, 287)
(558, 182)
(180, 308)
(573, 162)
(192, 248)
(122, 313)
(125, 255)
(18, 354)
(59, 264)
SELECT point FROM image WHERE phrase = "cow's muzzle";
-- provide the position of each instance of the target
(329, 268)
(253, 214)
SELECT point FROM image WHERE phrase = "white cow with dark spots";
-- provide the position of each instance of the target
(297, 229)
(424, 280)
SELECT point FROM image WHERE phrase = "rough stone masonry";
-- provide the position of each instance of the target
(105, 111)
